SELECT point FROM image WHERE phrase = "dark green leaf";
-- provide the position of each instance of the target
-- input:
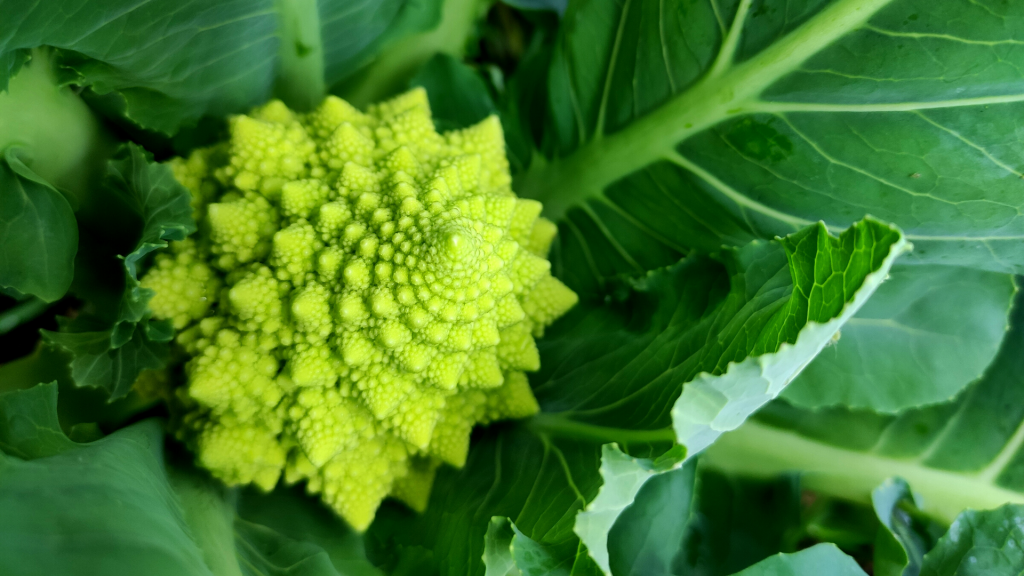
(646, 538)
(163, 206)
(164, 64)
(458, 95)
(554, 5)
(676, 125)
(102, 508)
(168, 63)
(980, 543)
(79, 405)
(112, 356)
(352, 35)
(847, 524)
(98, 364)
(112, 506)
(417, 30)
(292, 513)
(927, 333)
(814, 561)
(524, 104)
(28, 424)
(899, 548)
(263, 552)
(739, 522)
(38, 233)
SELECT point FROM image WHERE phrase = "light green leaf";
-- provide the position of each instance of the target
(927, 333)
(833, 278)
(610, 373)
(818, 559)
(980, 542)
(966, 453)
(509, 552)
(677, 125)
(38, 233)
(300, 67)
(622, 476)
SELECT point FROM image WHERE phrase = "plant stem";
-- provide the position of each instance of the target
(300, 73)
(556, 425)
(21, 313)
(63, 141)
(761, 450)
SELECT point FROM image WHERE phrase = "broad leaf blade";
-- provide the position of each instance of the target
(966, 453)
(832, 279)
(648, 535)
(679, 124)
(295, 514)
(71, 510)
(818, 559)
(38, 233)
(980, 542)
(169, 63)
(927, 333)
(738, 522)
(164, 64)
(113, 505)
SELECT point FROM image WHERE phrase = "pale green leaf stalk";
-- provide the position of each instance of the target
(300, 75)
(60, 138)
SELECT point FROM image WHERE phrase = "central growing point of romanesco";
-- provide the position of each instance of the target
(361, 292)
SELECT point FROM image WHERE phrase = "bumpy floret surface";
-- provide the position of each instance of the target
(362, 292)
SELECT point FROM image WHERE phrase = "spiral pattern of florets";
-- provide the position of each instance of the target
(361, 293)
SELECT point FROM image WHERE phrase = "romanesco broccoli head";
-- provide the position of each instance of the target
(361, 292)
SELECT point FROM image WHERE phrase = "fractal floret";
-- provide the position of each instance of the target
(362, 291)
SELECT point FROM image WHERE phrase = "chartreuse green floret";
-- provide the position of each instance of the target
(362, 291)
